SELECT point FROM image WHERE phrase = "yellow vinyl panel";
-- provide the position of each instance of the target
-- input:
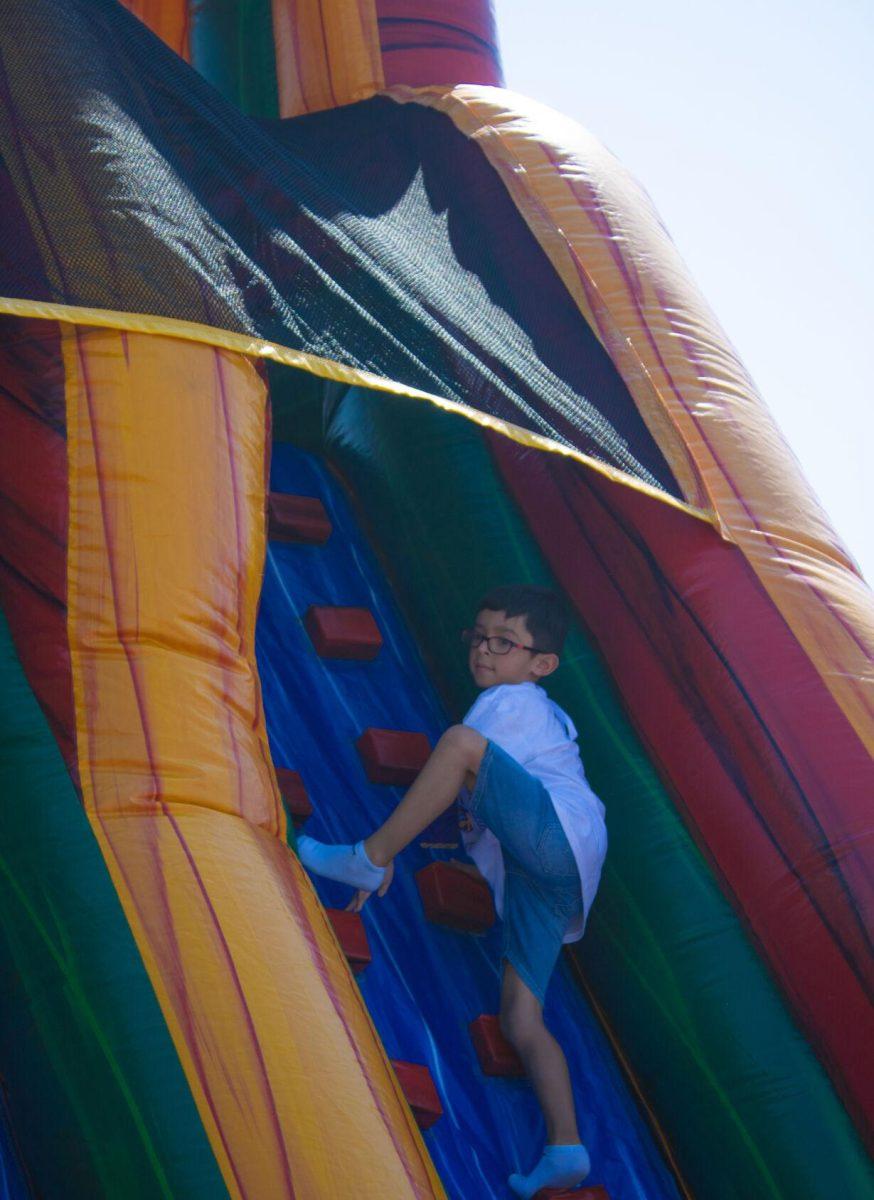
(327, 53)
(166, 549)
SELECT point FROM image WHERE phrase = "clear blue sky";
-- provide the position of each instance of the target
(750, 125)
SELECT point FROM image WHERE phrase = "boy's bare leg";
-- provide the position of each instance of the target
(454, 761)
(542, 1057)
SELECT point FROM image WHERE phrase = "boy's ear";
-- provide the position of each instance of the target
(545, 664)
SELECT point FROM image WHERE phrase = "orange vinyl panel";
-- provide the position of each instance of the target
(327, 53)
(168, 19)
(166, 550)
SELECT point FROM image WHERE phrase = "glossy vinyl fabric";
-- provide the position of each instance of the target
(33, 530)
(174, 989)
(288, 57)
(668, 953)
(176, 775)
(616, 259)
(95, 1097)
(425, 984)
(769, 772)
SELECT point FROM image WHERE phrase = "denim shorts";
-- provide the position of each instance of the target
(542, 889)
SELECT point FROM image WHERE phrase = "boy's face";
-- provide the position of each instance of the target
(516, 666)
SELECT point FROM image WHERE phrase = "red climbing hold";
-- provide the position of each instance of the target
(421, 1094)
(496, 1055)
(393, 756)
(294, 794)
(587, 1193)
(456, 899)
(299, 519)
(352, 937)
(343, 632)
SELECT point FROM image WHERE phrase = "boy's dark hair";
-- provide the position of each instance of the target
(545, 612)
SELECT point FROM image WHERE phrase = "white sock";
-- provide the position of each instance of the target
(345, 864)
(560, 1166)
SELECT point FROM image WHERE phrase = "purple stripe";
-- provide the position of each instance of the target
(257, 720)
(238, 570)
(446, 26)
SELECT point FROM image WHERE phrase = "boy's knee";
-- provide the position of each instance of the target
(466, 743)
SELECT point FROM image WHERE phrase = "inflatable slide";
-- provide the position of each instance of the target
(310, 334)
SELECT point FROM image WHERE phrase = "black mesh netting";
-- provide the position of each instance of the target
(376, 235)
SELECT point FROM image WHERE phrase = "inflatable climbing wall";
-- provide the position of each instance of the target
(311, 333)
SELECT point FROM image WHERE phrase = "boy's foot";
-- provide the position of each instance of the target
(560, 1166)
(345, 864)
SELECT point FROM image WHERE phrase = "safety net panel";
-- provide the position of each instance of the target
(374, 235)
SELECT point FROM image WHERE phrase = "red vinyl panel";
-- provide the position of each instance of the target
(424, 42)
(770, 777)
(33, 514)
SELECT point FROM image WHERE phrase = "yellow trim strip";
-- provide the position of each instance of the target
(326, 368)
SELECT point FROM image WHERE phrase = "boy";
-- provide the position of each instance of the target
(532, 825)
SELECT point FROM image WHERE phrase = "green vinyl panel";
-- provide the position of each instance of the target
(232, 47)
(98, 1102)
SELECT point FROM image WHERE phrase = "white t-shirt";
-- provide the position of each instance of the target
(532, 729)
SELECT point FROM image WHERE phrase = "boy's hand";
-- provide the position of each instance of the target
(361, 897)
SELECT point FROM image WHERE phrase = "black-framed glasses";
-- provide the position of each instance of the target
(496, 644)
